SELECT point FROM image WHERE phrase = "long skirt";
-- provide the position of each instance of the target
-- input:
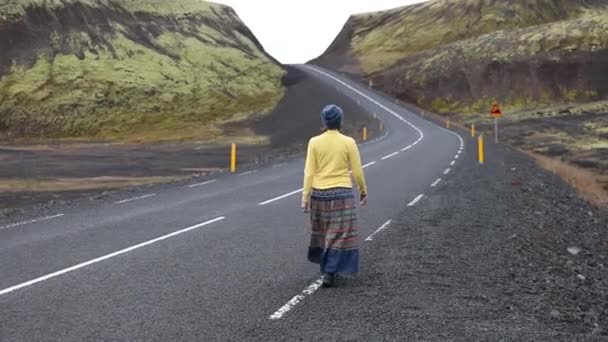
(334, 241)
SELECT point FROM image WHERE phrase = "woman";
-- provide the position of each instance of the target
(328, 195)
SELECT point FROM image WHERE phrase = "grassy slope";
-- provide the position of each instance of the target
(165, 82)
(381, 39)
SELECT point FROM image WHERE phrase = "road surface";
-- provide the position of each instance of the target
(208, 261)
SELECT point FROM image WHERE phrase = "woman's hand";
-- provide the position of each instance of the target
(305, 206)
(363, 200)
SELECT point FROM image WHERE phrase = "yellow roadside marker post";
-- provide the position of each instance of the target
(473, 130)
(447, 123)
(233, 159)
(480, 147)
(364, 133)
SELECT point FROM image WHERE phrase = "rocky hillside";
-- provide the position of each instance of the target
(455, 55)
(143, 70)
(540, 59)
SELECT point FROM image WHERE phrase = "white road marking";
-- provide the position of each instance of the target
(420, 133)
(406, 148)
(281, 197)
(201, 184)
(280, 165)
(312, 288)
(106, 257)
(248, 173)
(457, 156)
(135, 199)
(390, 155)
(31, 221)
(436, 182)
(453, 162)
(447, 171)
(453, 133)
(416, 200)
(383, 227)
(369, 164)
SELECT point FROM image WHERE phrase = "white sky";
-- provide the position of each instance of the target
(298, 31)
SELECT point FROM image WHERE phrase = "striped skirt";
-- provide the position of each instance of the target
(334, 237)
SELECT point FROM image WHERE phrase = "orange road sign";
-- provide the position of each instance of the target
(495, 112)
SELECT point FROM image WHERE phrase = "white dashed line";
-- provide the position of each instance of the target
(436, 182)
(201, 184)
(281, 197)
(312, 288)
(368, 165)
(135, 199)
(447, 171)
(31, 221)
(105, 257)
(247, 173)
(448, 131)
(383, 227)
(390, 155)
(453, 162)
(416, 200)
(457, 156)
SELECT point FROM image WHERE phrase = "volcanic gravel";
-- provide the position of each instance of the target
(499, 252)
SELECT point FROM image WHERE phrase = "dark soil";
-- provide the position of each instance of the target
(484, 257)
(467, 81)
(531, 134)
(290, 125)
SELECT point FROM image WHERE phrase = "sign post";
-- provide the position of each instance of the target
(495, 113)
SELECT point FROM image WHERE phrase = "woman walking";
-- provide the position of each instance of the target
(328, 195)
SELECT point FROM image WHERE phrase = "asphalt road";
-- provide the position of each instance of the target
(206, 262)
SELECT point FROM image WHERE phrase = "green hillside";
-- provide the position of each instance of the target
(143, 70)
(378, 40)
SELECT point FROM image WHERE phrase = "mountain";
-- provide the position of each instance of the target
(144, 70)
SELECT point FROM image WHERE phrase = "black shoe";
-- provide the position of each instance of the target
(328, 279)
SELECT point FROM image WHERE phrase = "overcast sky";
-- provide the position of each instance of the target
(298, 31)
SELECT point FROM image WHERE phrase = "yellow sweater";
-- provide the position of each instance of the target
(329, 159)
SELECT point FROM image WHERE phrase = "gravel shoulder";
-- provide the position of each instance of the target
(484, 257)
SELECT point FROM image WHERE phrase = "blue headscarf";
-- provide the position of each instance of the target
(332, 116)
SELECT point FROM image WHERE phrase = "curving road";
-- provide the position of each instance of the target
(208, 261)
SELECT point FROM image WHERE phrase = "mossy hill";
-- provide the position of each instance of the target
(457, 56)
(144, 70)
